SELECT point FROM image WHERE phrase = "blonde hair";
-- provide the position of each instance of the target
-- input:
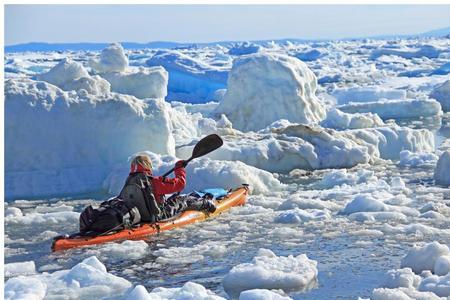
(142, 160)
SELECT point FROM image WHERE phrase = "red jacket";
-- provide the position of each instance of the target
(162, 186)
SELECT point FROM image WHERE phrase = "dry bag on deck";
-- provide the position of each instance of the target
(112, 215)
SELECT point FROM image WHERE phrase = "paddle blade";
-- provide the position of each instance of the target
(207, 145)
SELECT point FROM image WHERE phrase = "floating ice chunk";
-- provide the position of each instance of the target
(439, 285)
(260, 294)
(64, 72)
(340, 120)
(251, 85)
(24, 288)
(86, 280)
(297, 216)
(428, 51)
(127, 250)
(388, 142)
(396, 109)
(364, 203)
(311, 55)
(297, 201)
(442, 94)
(442, 171)
(378, 216)
(142, 83)
(401, 278)
(12, 213)
(268, 271)
(367, 94)
(342, 176)
(189, 291)
(244, 49)
(70, 75)
(44, 218)
(397, 183)
(112, 59)
(442, 70)
(76, 155)
(408, 158)
(140, 293)
(424, 258)
(20, 268)
(402, 294)
(442, 265)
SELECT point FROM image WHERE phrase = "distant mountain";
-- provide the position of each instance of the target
(38, 46)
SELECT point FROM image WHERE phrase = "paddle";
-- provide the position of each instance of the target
(203, 147)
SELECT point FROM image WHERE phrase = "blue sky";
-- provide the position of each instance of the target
(208, 23)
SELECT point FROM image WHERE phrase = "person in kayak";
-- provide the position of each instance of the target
(147, 192)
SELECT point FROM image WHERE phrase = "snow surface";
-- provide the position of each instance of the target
(281, 87)
(268, 271)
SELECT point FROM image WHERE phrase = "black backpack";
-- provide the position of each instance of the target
(110, 216)
(138, 192)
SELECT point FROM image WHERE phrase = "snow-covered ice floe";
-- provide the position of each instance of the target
(396, 109)
(285, 146)
(268, 271)
(189, 291)
(86, 280)
(425, 274)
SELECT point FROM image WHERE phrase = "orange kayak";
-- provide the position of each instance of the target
(236, 197)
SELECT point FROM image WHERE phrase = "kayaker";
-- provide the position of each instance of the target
(156, 187)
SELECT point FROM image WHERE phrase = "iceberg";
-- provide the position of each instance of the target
(190, 79)
(264, 88)
(66, 143)
(442, 94)
(442, 170)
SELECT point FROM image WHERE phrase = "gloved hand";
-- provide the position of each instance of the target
(180, 164)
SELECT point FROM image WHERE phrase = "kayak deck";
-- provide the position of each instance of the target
(236, 197)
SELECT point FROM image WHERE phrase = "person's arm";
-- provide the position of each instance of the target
(172, 185)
